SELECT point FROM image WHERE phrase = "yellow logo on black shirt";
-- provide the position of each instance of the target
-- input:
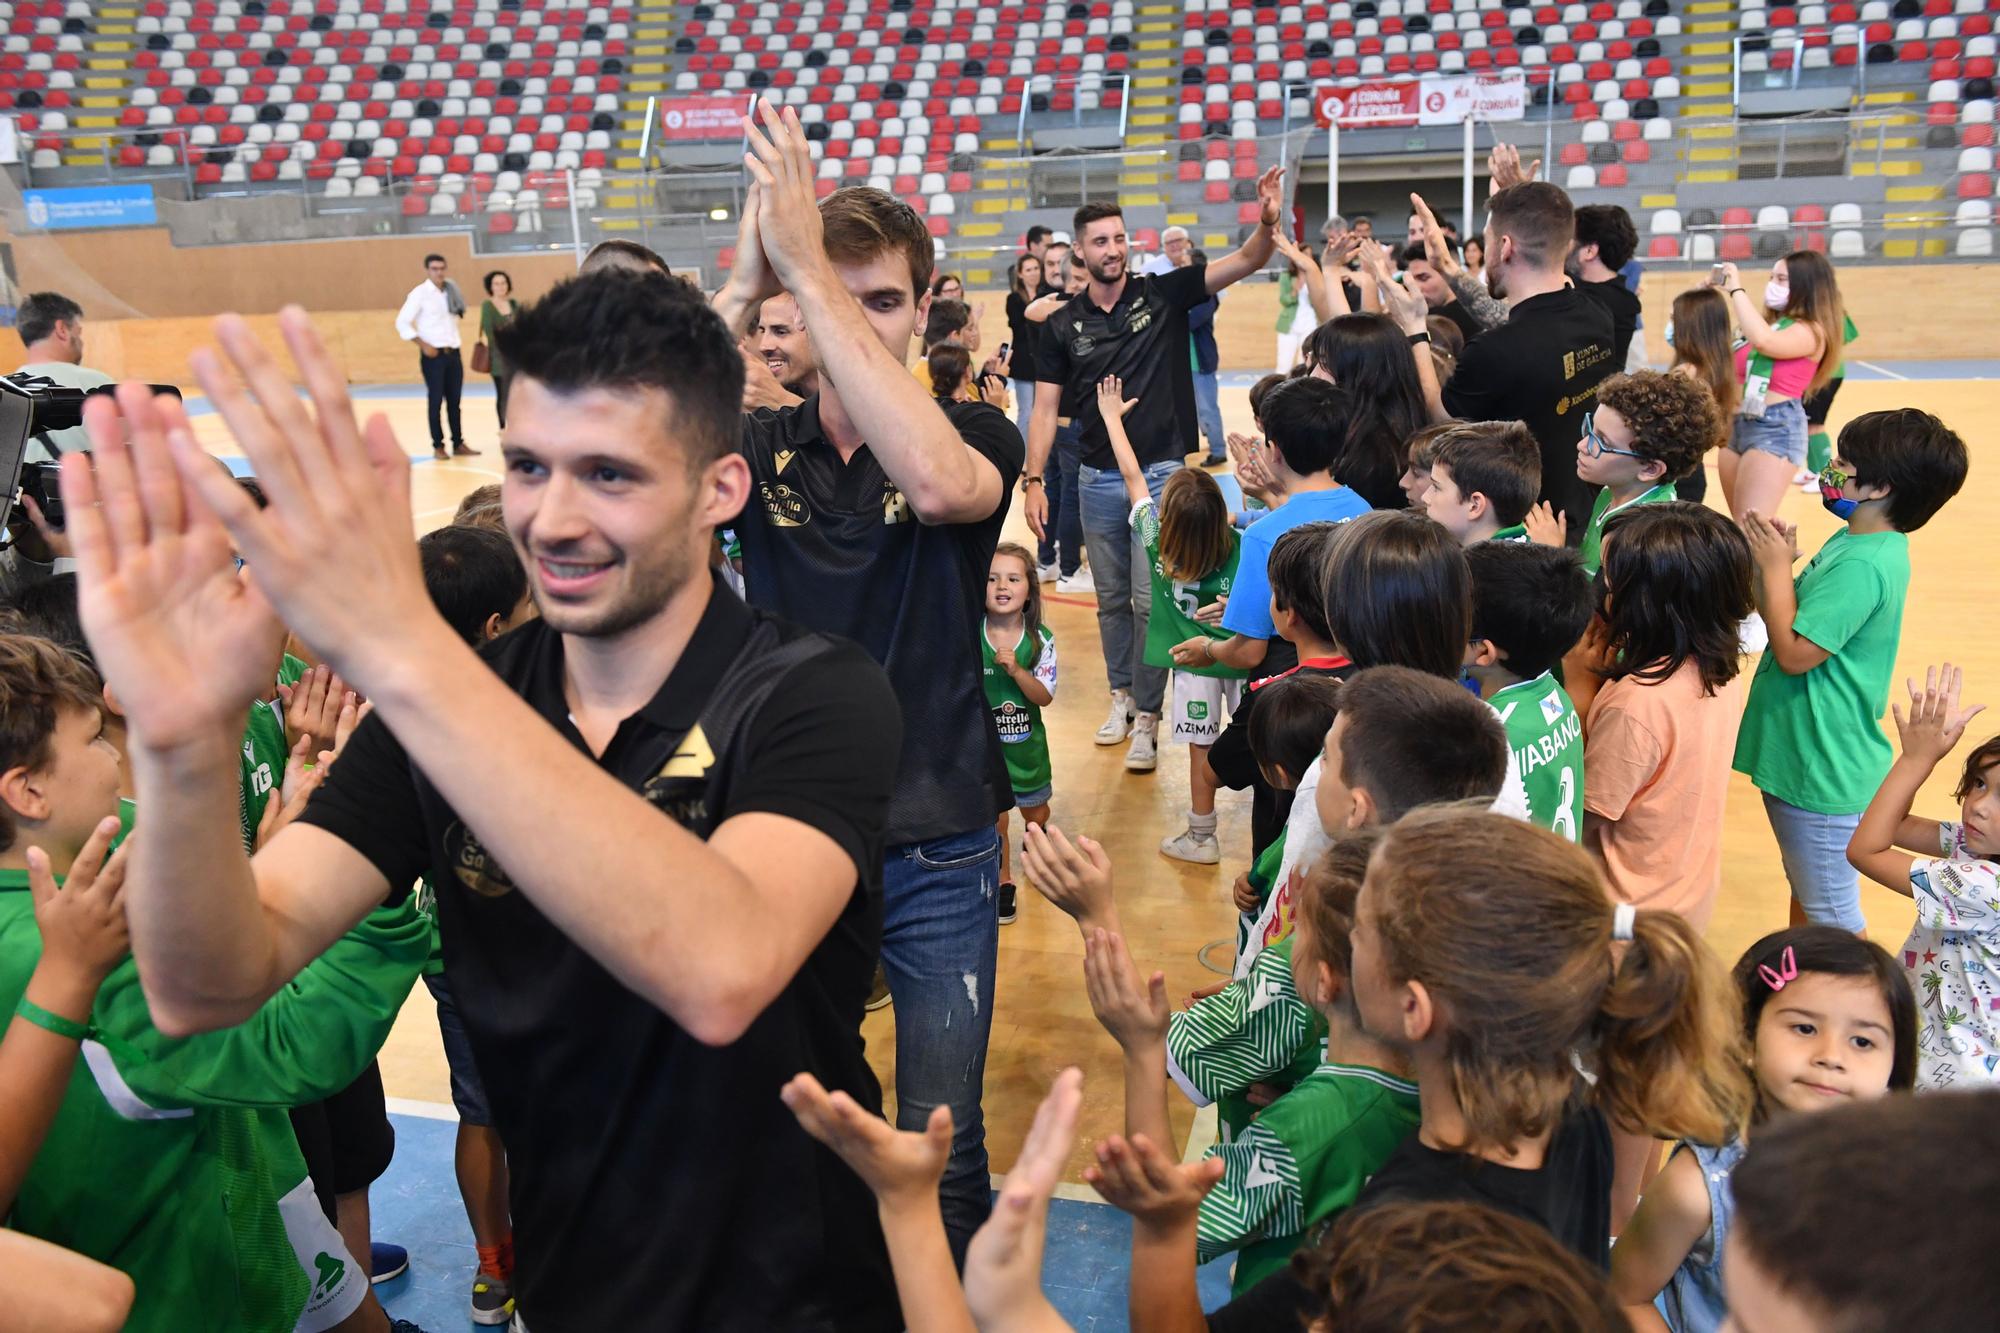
(475, 869)
(895, 509)
(784, 457)
(785, 507)
(692, 760)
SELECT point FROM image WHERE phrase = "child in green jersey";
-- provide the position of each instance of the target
(1017, 655)
(1647, 431)
(1484, 477)
(1812, 738)
(1191, 553)
(1530, 604)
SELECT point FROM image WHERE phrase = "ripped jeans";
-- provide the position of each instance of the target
(940, 944)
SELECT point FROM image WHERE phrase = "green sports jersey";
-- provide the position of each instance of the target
(1263, 875)
(1301, 1164)
(1024, 740)
(1593, 532)
(1546, 736)
(264, 752)
(169, 1157)
(1517, 533)
(1175, 603)
(1254, 1030)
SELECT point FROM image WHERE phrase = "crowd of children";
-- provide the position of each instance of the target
(1474, 1065)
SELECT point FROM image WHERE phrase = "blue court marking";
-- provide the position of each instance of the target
(1085, 1267)
(1970, 368)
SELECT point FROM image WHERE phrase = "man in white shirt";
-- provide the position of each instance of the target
(428, 320)
(1176, 251)
(51, 326)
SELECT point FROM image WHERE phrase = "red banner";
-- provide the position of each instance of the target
(701, 117)
(1363, 105)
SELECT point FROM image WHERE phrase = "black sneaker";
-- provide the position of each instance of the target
(1007, 911)
(386, 1262)
(492, 1299)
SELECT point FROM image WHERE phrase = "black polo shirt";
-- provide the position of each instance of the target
(1622, 303)
(658, 1183)
(835, 547)
(1142, 339)
(1541, 367)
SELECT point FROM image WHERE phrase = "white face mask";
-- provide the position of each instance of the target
(1777, 295)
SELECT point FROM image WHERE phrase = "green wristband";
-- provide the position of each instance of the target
(48, 1022)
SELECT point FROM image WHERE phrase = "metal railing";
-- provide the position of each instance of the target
(1028, 87)
(1795, 42)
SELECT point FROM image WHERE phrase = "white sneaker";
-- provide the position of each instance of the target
(1195, 848)
(1809, 482)
(1119, 723)
(1077, 582)
(1144, 754)
(1046, 573)
(1752, 636)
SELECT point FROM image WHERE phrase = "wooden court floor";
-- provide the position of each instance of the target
(1042, 1021)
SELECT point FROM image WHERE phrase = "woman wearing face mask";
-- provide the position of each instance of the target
(1779, 363)
(1698, 332)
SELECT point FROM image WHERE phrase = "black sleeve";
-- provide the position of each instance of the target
(995, 438)
(369, 801)
(1280, 1301)
(1477, 390)
(1016, 313)
(823, 750)
(1052, 352)
(1230, 757)
(1184, 287)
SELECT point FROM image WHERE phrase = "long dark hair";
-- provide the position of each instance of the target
(1399, 592)
(1368, 356)
(1839, 953)
(1019, 284)
(1678, 577)
(951, 368)
(1815, 300)
(1702, 343)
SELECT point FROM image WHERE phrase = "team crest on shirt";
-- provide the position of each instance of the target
(783, 458)
(474, 868)
(783, 506)
(1552, 709)
(895, 509)
(1080, 345)
(1139, 319)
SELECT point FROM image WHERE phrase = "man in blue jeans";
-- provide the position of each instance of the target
(1133, 326)
(873, 514)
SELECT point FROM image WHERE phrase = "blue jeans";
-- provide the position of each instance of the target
(1814, 848)
(1208, 410)
(1024, 404)
(940, 946)
(1064, 544)
(1124, 584)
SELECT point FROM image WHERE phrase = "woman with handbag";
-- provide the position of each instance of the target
(495, 313)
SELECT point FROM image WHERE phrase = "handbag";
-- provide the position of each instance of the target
(482, 360)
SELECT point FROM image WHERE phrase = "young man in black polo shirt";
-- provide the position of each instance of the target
(653, 817)
(1135, 327)
(873, 514)
(1543, 365)
(1605, 243)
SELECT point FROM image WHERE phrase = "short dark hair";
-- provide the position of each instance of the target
(1259, 392)
(1914, 453)
(1531, 601)
(620, 253)
(615, 329)
(434, 259)
(1674, 419)
(1410, 254)
(1610, 229)
(1289, 724)
(487, 281)
(48, 608)
(1413, 738)
(472, 574)
(1539, 218)
(1839, 953)
(950, 367)
(1498, 459)
(1398, 593)
(1036, 233)
(861, 223)
(38, 678)
(39, 313)
(1984, 756)
(1295, 572)
(1095, 211)
(1679, 577)
(947, 317)
(1815, 1198)
(1306, 421)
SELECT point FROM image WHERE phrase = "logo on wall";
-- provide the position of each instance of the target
(38, 211)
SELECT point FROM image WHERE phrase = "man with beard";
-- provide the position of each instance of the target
(1135, 327)
(652, 817)
(779, 369)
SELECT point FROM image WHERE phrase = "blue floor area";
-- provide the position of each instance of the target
(416, 1206)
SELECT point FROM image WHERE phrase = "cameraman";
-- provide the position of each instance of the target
(52, 327)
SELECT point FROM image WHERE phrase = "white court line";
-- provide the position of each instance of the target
(422, 1110)
(1882, 370)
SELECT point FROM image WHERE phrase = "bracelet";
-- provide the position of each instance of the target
(1418, 339)
(1032, 481)
(1735, 291)
(48, 1022)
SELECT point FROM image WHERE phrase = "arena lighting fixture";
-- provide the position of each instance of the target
(720, 213)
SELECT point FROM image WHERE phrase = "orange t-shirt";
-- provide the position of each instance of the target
(1656, 763)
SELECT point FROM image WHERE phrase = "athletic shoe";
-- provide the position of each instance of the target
(492, 1299)
(405, 1326)
(1007, 903)
(1195, 848)
(386, 1262)
(1216, 460)
(1752, 636)
(878, 996)
(1077, 582)
(1047, 573)
(1144, 754)
(1119, 723)
(1809, 483)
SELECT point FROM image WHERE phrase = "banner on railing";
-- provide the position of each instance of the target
(701, 117)
(1432, 101)
(90, 206)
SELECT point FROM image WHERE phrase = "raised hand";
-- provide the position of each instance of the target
(313, 706)
(1503, 167)
(1003, 1265)
(82, 923)
(1436, 248)
(1076, 877)
(1773, 542)
(761, 388)
(1546, 525)
(788, 222)
(1725, 276)
(1111, 399)
(1935, 721)
(1134, 1014)
(1406, 305)
(1271, 195)
(184, 642)
(1291, 249)
(1137, 1176)
(1339, 249)
(898, 1165)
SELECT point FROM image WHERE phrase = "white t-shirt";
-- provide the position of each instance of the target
(75, 439)
(1953, 960)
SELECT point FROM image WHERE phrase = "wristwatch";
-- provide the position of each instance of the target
(1027, 481)
(1417, 339)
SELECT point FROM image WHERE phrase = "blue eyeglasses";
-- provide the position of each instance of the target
(1594, 444)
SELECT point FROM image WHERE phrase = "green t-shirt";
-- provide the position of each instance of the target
(1300, 1164)
(1251, 1031)
(1517, 533)
(1815, 740)
(1546, 736)
(1593, 532)
(265, 750)
(1024, 740)
(1174, 603)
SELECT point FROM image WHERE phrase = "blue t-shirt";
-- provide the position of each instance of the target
(1249, 609)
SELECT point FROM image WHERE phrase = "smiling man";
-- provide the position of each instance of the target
(654, 824)
(873, 515)
(781, 339)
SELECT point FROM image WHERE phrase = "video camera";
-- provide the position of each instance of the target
(30, 407)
